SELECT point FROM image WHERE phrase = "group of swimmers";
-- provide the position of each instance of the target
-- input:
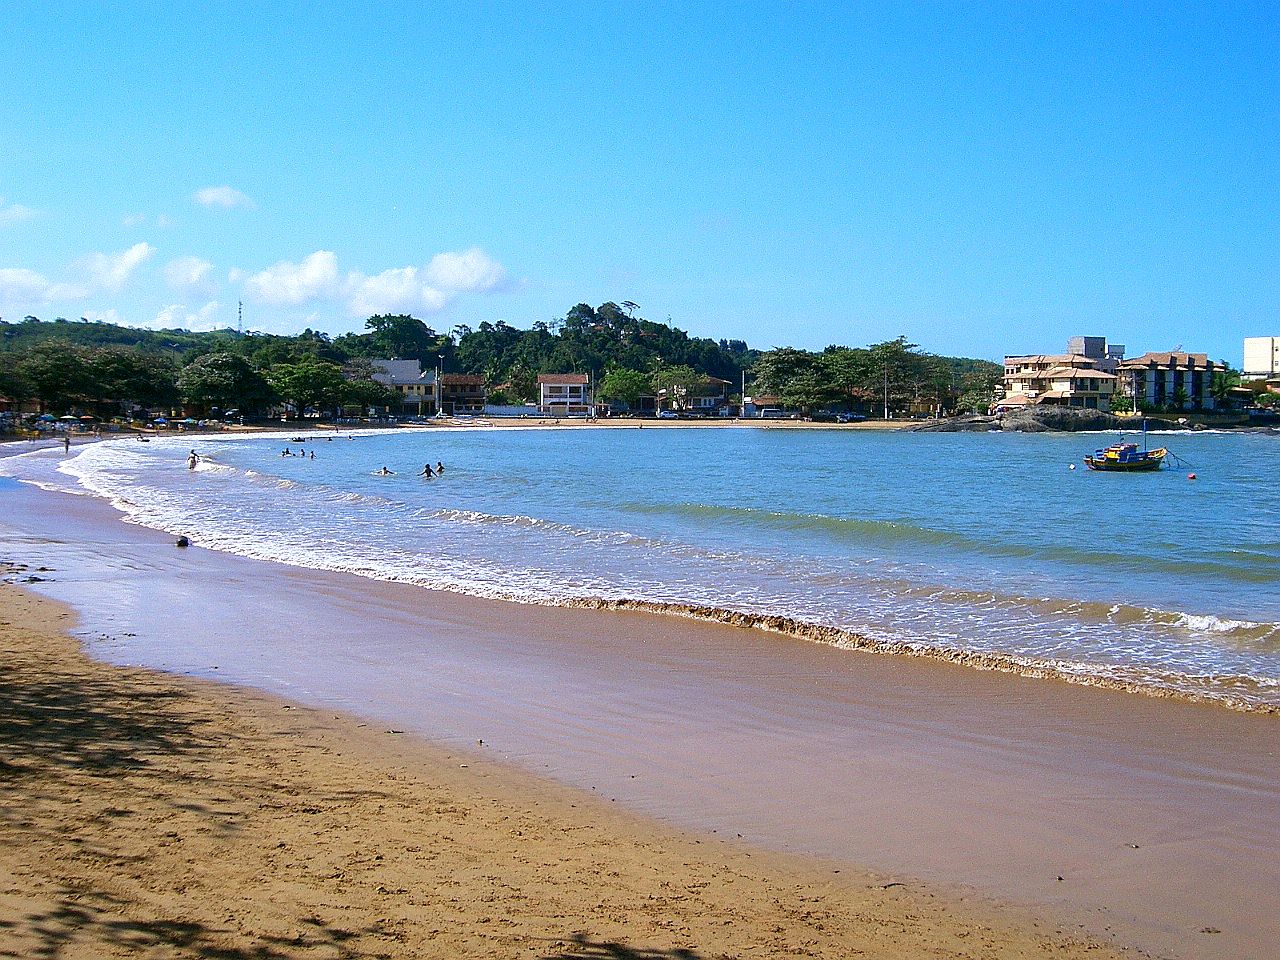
(426, 471)
(286, 452)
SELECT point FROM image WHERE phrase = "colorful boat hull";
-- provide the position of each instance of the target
(1125, 458)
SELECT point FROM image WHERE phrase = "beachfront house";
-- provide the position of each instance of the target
(711, 399)
(462, 393)
(708, 398)
(565, 395)
(1063, 380)
(415, 388)
(1171, 381)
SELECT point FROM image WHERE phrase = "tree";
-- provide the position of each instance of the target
(624, 385)
(523, 382)
(224, 380)
(58, 373)
(1121, 403)
(1224, 381)
(401, 337)
(361, 390)
(309, 383)
(680, 383)
(122, 375)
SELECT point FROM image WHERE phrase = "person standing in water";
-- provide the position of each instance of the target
(439, 468)
(426, 471)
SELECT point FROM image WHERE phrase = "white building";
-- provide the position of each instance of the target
(1261, 358)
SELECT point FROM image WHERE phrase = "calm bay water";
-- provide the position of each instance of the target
(981, 547)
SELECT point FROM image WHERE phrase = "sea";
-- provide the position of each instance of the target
(1000, 551)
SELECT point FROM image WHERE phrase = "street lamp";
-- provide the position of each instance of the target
(439, 386)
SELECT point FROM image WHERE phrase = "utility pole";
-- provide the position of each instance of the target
(886, 390)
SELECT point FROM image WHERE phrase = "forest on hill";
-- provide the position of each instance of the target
(92, 365)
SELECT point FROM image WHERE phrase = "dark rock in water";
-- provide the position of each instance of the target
(184, 542)
(1041, 419)
(967, 424)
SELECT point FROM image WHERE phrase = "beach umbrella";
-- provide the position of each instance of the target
(189, 420)
(68, 417)
(88, 417)
(159, 420)
(47, 417)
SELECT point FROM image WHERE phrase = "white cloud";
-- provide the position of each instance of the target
(133, 219)
(19, 286)
(191, 275)
(471, 271)
(14, 212)
(392, 291)
(177, 316)
(425, 290)
(290, 284)
(225, 197)
(111, 270)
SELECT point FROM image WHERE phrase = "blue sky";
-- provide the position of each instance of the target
(981, 178)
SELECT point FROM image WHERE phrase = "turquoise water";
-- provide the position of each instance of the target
(980, 547)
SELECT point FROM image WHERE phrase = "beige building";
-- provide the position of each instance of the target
(1063, 380)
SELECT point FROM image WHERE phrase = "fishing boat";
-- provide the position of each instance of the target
(1125, 457)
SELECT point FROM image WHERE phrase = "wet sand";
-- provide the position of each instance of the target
(1162, 819)
(141, 814)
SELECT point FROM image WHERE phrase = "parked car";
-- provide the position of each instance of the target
(849, 418)
(668, 415)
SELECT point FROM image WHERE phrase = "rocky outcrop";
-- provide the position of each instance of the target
(1045, 419)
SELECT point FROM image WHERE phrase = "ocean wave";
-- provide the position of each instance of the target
(1235, 692)
(893, 532)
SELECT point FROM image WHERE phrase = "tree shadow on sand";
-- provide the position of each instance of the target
(81, 919)
(54, 725)
(583, 947)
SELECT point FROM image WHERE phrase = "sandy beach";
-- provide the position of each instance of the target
(939, 793)
(147, 815)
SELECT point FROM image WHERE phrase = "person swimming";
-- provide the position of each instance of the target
(439, 468)
(384, 472)
(426, 471)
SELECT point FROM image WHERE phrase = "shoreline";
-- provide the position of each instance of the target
(927, 745)
(297, 831)
(1237, 699)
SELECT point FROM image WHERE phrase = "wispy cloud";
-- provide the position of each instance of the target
(178, 316)
(15, 212)
(110, 271)
(22, 287)
(225, 197)
(191, 275)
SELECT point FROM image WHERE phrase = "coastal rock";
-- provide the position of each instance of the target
(1045, 419)
(965, 424)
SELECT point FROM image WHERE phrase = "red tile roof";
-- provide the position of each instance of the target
(562, 378)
